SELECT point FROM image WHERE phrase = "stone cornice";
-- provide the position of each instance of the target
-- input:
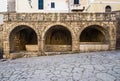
(54, 17)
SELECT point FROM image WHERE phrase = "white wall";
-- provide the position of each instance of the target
(23, 6)
(3, 5)
(60, 6)
(11, 5)
(1, 19)
(98, 6)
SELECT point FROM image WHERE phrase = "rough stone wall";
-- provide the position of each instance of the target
(118, 31)
(58, 48)
(75, 23)
(1, 42)
(1, 37)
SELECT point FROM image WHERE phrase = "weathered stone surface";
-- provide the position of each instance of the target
(59, 17)
(63, 68)
(16, 24)
(105, 77)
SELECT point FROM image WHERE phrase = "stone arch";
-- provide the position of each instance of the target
(94, 38)
(96, 30)
(22, 36)
(58, 37)
(14, 25)
(61, 24)
(102, 27)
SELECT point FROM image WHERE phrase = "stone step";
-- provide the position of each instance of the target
(23, 54)
(57, 53)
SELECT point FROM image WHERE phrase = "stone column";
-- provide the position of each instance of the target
(42, 43)
(75, 45)
(112, 44)
(6, 49)
(39, 47)
(112, 38)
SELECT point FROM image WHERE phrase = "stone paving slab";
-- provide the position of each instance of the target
(96, 66)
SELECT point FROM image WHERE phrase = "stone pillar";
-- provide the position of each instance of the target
(75, 45)
(6, 49)
(112, 44)
(112, 38)
(39, 47)
(42, 43)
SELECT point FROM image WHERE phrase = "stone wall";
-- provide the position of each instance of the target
(58, 48)
(94, 47)
(31, 48)
(1, 42)
(1, 36)
(60, 17)
(118, 30)
(75, 23)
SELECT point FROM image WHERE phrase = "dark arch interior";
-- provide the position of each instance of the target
(21, 36)
(92, 34)
(58, 35)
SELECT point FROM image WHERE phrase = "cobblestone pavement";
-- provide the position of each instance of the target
(97, 66)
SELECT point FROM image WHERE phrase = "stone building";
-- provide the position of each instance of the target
(29, 30)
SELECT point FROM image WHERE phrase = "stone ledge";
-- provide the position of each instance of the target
(31, 48)
(43, 17)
